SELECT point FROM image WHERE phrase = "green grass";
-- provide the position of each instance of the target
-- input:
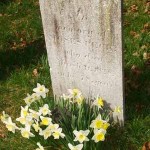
(22, 50)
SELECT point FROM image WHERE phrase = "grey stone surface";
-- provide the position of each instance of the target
(84, 45)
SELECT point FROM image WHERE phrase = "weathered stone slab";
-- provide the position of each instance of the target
(84, 45)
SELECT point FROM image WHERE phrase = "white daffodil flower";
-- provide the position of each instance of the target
(40, 146)
(35, 97)
(46, 133)
(79, 100)
(74, 93)
(99, 135)
(45, 120)
(98, 102)
(25, 120)
(10, 125)
(28, 100)
(45, 110)
(58, 133)
(41, 90)
(117, 109)
(4, 117)
(105, 125)
(22, 120)
(77, 147)
(25, 132)
(34, 114)
(36, 126)
(24, 111)
(81, 135)
(97, 123)
(53, 127)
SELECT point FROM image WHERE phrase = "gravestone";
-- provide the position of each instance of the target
(84, 46)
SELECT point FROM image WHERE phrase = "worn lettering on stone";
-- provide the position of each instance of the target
(84, 45)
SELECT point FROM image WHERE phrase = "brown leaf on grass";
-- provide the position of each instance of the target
(134, 8)
(126, 23)
(143, 47)
(147, 26)
(147, 9)
(146, 56)
(23, 44)
(135, 70)
(14, 47)
(2, 135)
(134, 34)
(35, 72)
(146, 146)
(136, 54)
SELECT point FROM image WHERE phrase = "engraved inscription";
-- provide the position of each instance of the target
(84, 45)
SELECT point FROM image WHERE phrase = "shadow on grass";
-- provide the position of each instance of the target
(11, 60)
(5, 1)
(137, 89)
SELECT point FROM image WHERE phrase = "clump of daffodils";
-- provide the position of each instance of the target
(34, 122)
(74, 96)
(85, 122)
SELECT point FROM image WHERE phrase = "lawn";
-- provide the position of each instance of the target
(23, 63)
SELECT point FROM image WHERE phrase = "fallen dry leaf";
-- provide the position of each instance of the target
(134, 8)
(2, 135)
(136, 54)
(23, 44)
(35, 72)
(146, 146)
(135, 70)
(146, 26)
(146, 56)
(143, 47)
(134, 34)
(147, 9)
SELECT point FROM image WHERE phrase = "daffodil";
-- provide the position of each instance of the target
(117, 109)
(4, 117)
(81, 135)
(36, 126)
(35, 97)
(24, 111)
(99, 135)
(77, 147)
(79, 100)
(45, 110)
(34, 114)
(25, 132)
(40, 147)
(105, 125)
(10, 125)
(25, 119)
(58, 133)
(45, 120)
(41, 90)
(53, 127)
(74, 93)
(98, 102)
(28, 100)
(45, 133)
(97, 123)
